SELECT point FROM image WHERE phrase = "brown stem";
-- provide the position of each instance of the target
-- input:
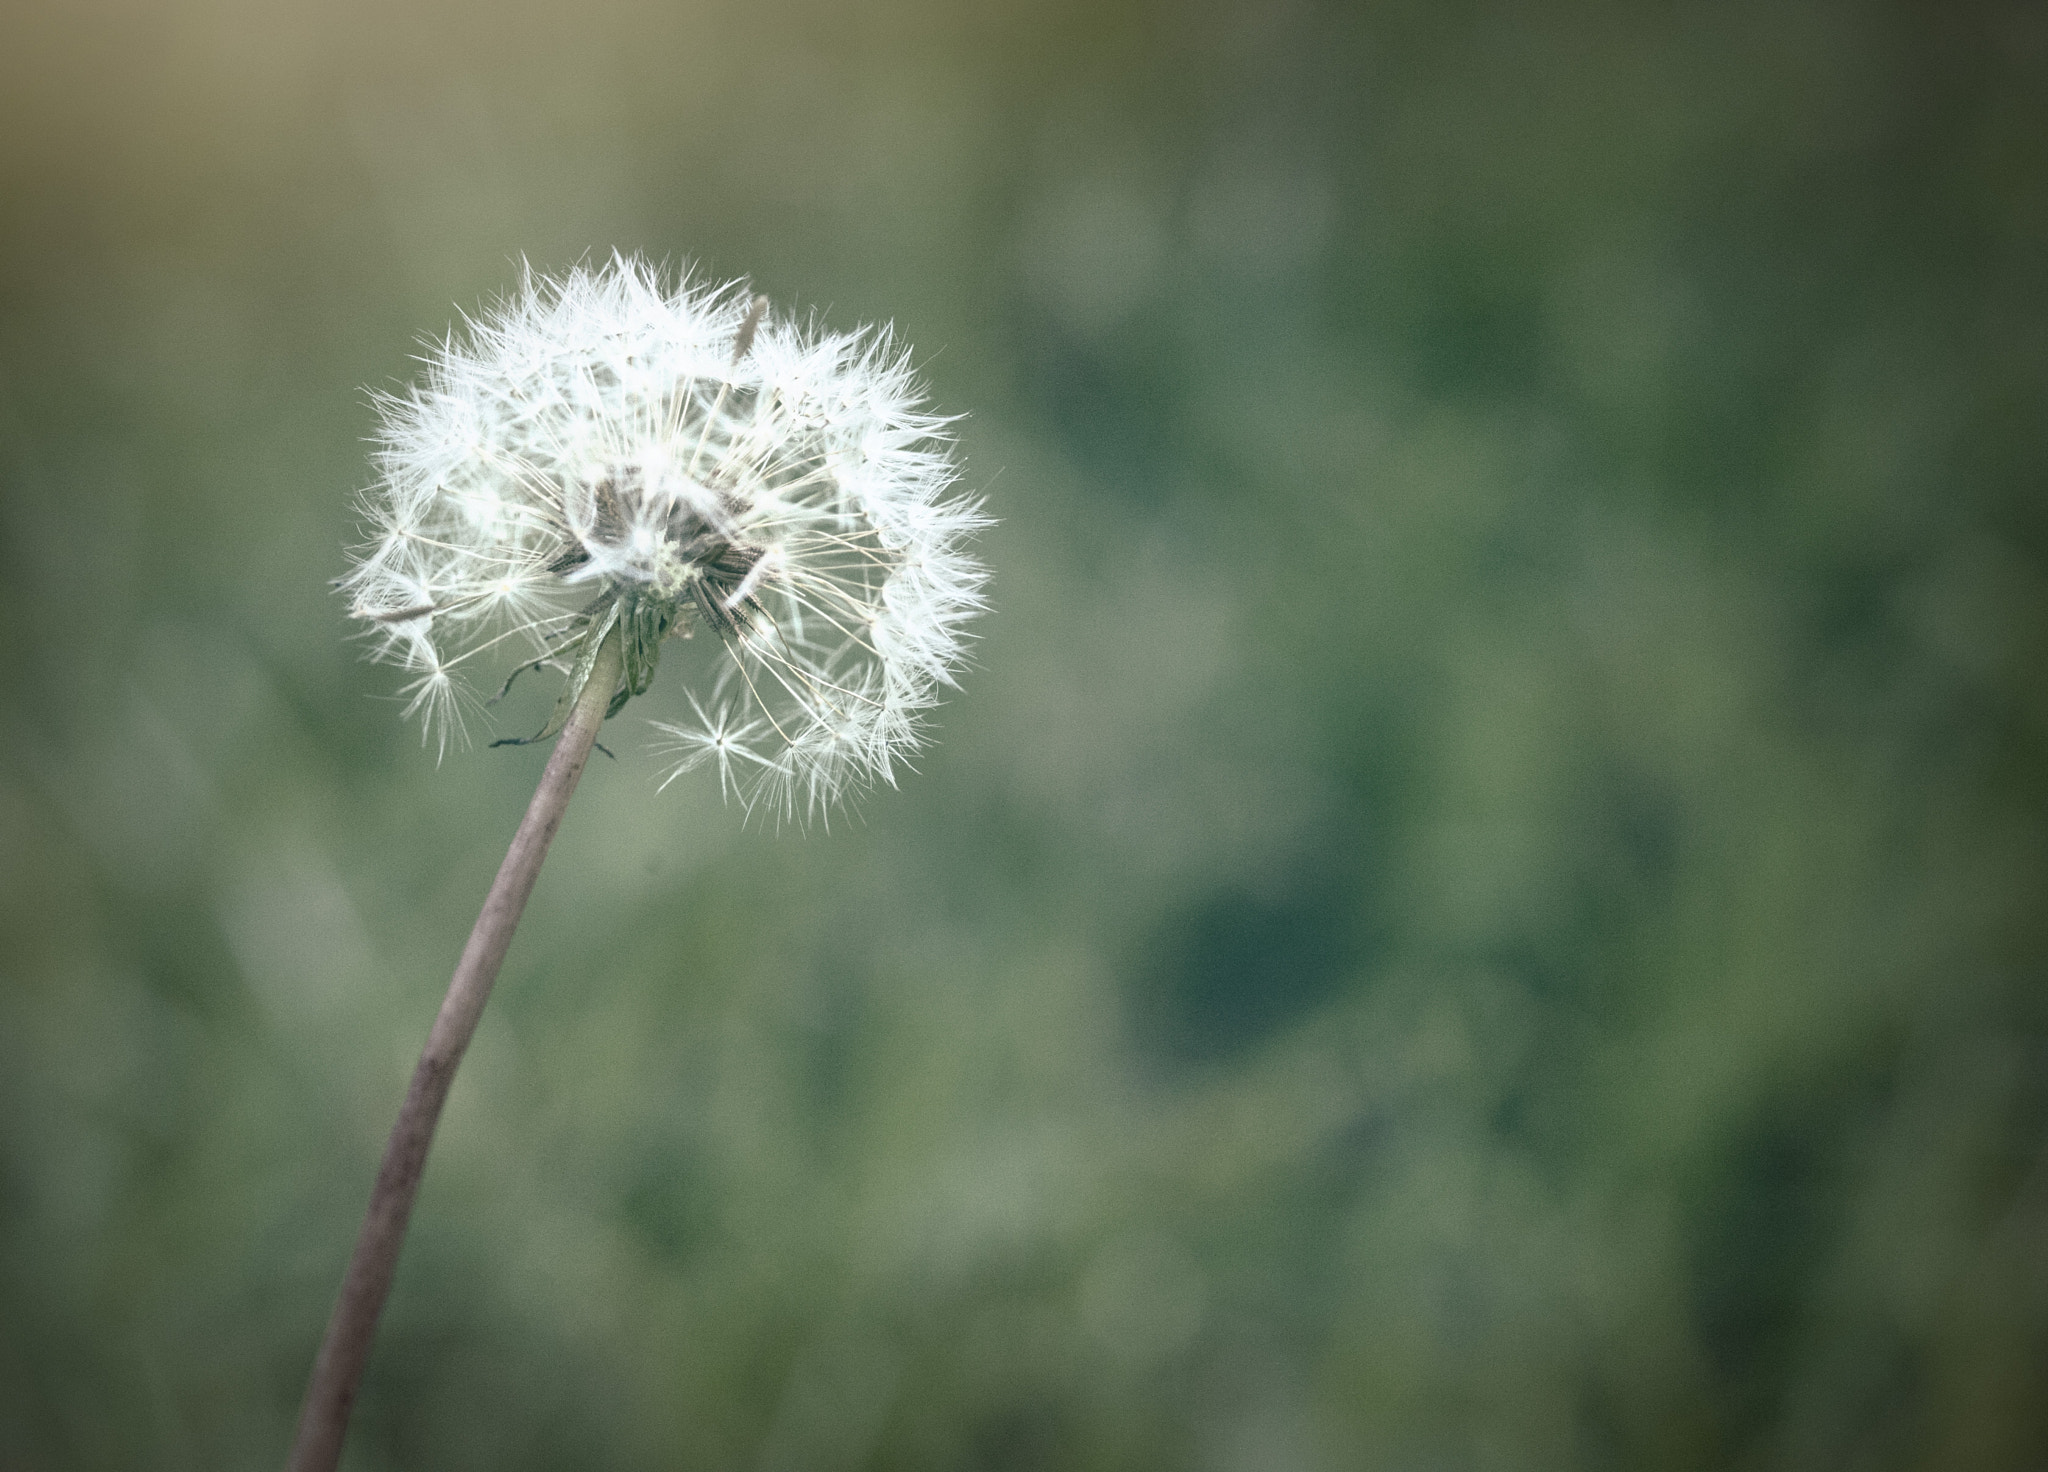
(338, 1372)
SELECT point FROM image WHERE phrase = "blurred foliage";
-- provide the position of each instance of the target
(1483, 908)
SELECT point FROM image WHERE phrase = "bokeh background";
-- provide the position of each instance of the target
(1483, 908)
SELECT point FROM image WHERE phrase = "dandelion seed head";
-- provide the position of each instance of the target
(609, 449)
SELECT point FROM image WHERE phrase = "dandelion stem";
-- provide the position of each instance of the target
(338, 1372)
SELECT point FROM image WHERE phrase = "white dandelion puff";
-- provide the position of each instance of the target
(607, 452)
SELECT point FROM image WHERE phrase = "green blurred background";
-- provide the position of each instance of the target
(1483, 908)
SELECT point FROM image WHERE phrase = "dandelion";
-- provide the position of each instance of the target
(607, 455)
(609, 468)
